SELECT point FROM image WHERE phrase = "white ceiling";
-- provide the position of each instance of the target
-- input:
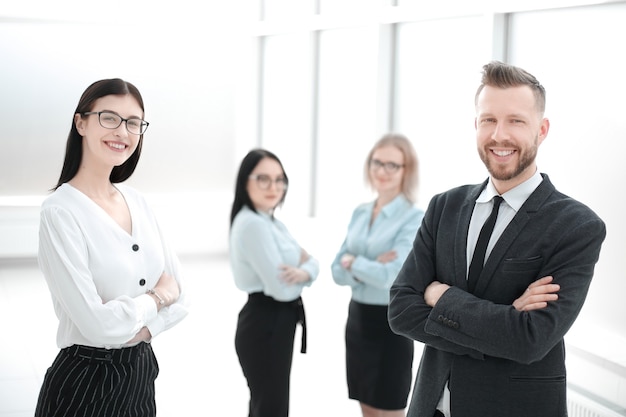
(118, 11)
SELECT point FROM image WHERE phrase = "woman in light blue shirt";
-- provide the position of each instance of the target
(379, 238)
(273, 269)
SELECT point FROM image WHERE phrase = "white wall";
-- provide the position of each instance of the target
(183, 61)
(583, 75)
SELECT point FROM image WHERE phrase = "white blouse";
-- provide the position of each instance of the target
(98, 274)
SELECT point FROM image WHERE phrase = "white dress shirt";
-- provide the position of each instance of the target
(513, 200)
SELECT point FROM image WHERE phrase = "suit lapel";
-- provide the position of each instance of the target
(462, 228)
(512, 231)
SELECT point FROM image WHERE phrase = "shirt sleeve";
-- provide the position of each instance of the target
(312, 267)
(172, 314)
(341, 275)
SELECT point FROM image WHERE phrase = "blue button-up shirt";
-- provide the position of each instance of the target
(394, 228)
(259, 245)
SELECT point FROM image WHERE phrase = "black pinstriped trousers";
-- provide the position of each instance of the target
(95, 382)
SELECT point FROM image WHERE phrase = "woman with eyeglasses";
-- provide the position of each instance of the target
(269, 265)
(114, 281)
(379, 237)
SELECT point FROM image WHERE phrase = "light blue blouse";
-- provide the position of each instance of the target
(259, 245)
(394, 228)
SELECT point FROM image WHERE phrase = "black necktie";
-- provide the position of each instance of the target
(478, 259)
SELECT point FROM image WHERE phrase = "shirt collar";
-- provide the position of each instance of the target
(265, 215)
(516, 196)
(394, 205)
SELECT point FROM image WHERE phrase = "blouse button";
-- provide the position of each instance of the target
(142, 282)
(135, 247)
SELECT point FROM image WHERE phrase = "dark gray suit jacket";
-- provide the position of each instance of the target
(499, 361)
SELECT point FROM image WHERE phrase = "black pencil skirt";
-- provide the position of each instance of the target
(264, 343)
(84, 381)
(378, 362)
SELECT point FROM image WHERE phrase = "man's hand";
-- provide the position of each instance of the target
(537, 295)
(434, 291)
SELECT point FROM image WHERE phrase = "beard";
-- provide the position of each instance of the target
(502, 173)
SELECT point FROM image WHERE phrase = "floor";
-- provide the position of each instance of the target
(199, 371)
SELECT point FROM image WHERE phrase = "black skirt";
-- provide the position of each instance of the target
(378, 362)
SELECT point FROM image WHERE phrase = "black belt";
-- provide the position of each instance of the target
(122, 355)
(298, 305)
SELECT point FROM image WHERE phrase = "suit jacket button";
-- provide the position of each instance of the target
(135, 247)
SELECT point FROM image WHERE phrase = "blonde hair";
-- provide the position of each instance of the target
(409, 175)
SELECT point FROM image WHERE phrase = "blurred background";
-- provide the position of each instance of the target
(317, 82)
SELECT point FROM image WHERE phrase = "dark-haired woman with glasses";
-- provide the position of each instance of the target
(273, 269)
(114, 281)
(379, 238)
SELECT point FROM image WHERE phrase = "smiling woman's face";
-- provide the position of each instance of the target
(109, 147)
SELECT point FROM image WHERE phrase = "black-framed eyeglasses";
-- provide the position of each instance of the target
(389, 167)
(110, 120)
(265, 182)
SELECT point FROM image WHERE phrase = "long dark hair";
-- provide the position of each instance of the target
(249, 162)
(74, 146)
